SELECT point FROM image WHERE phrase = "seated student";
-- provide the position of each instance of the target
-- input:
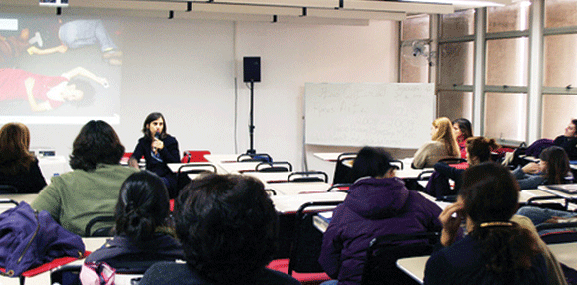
(18, 167)
(378, 203)
(568, 140)
(142, 232)
(496, 250)
(478, 150)
(91, 188)
(462, 130)
(442, 145)
(553, 168)
(228, 228)
(539, 215)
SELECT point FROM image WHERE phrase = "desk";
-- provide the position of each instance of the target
(292, 188)
(53, 166)
(268, 177)
(221, 158)
(565, 253)
(327, 156)
(290, 203)
(238, 167)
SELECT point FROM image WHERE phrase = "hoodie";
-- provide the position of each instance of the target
(373, 207)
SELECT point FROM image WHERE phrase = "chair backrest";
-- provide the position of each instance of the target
(384, 251)
(557, 233)
(102, 231)
(398, 163)
(276, 166)
(263, 157)
(194, 156)
(8, 189)
(308, 176)
(69, 274)
(340, 187)
(182, 178)
(306, 243)
(342, 171)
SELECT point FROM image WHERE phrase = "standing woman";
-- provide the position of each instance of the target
(463, 131)
(496, 250)
(18, 167)
(442, 145)
(158, 148)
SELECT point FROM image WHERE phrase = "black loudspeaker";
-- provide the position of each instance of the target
(251, 69)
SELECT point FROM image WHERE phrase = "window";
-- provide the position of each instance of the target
(414, 70)
(505, 116)
(560, 13)
(507, 61)
(458, 24)
(558, 110)
(456, 63)
(560, 60)
(454, 104)
(509, 18)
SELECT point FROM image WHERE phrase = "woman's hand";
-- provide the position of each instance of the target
(157, 145)
(451, 218)
(531, 168)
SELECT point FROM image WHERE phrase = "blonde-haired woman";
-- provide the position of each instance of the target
(18, 167)
(442, 145)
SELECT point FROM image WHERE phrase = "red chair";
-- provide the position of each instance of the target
(194, 156)
(302, 263)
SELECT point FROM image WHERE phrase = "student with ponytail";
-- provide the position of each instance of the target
(497, 250)
(143, 229)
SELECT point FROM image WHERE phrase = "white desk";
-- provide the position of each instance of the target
(268, 177)
(53, 166)
(327, 156)
(293, 188)
(290, 203)
(221, 158)
(565, 253)
(238, 167)
(410, 173)
(414, 267)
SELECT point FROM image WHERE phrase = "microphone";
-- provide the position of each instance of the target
(156, 136)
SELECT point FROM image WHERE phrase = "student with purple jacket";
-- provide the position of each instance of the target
(378, 204)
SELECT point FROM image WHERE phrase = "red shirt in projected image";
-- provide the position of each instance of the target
(12, 85)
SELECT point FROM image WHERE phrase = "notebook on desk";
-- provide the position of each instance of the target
(565, 188)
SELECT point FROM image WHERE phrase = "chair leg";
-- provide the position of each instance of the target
(22, 280)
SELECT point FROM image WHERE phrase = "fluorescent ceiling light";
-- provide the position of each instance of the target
(409, 7)
(246, 9)
(132, 5)
(288, 3)
(465, 3)
(355, 14)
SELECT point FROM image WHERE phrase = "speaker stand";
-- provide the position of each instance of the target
(251, 126)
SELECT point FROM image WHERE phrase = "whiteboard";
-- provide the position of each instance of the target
(396, 115)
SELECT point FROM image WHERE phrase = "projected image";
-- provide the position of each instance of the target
(58, 67)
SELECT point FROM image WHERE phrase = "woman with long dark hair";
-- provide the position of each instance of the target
(552, 168)
(18, 167)
(462, 130)
(158, 148)
(496, 249)
(143, 229)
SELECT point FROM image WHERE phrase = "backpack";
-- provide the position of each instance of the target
(29, 239)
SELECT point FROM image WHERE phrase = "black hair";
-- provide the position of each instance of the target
(370, 161)
(96, 143)
(574, 122)
(227, 225)
(490, 195)
(465, 127)
(88, 91)
(142, 206)
(153, 117)
(557, 164)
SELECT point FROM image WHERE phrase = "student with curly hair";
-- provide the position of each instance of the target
(228, 228)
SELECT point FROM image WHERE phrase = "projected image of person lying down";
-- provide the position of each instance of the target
(48, 92)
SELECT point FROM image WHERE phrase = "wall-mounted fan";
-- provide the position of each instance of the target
(417, 53)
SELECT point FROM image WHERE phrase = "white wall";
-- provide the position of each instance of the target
(157, 75)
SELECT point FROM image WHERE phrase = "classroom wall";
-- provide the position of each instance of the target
(160, 55)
